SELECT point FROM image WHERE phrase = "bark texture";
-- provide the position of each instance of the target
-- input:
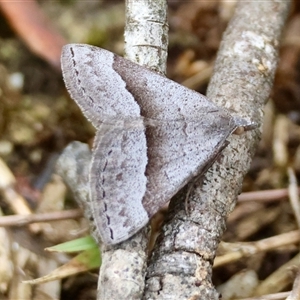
(146, 33)
(181, 265)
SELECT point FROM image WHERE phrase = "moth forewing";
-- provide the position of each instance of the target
(135, 168)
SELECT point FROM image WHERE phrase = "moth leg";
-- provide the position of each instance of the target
(199, 178)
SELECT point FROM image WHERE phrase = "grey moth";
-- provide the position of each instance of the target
(152, 136)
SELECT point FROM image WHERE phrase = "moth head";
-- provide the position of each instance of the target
(243, 125)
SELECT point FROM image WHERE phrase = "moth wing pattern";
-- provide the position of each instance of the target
(103, 98)
(95, 86)
(188, 132)
(185, 160)
(118, 182)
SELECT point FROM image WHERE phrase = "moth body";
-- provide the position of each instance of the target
(153, 136)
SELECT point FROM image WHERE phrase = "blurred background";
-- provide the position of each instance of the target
(38, 119)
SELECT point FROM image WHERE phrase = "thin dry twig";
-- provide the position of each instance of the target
(295, 293)
(277, 296)
(20, 220)
(293, 194)
(279, 280)
(280, 149)
(265, 196)
(17, 203)
(240, 250)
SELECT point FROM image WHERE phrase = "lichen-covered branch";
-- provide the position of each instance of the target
(181, 265)
(146, 33)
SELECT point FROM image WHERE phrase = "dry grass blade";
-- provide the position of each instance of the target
(17, 203)
(295, 293)
(236, 251)
(293, 194)
(20, 220)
